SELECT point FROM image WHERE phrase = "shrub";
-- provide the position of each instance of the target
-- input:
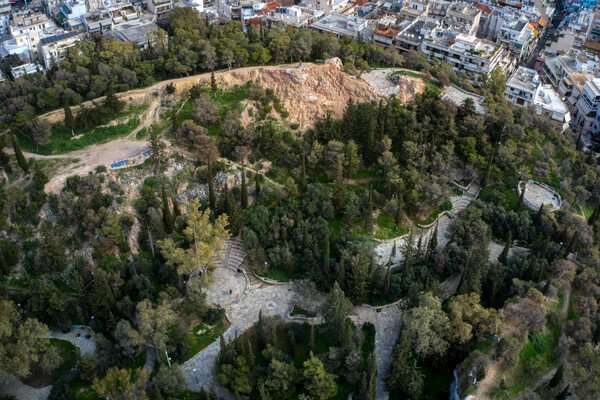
(100, 169)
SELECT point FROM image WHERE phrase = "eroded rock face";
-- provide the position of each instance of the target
(309, 91)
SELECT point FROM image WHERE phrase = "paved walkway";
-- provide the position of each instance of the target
(271, 299)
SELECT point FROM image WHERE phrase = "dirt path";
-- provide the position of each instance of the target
(483, 388)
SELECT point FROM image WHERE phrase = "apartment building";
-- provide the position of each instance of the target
(523, 86)
(517, 35)
(467, 54)
(414, 9)
(160, 8)
(53, 49)
(585, 110)
(344, 25)
(550, 106)
(30, 27)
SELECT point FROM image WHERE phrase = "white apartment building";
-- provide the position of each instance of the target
(523, 86)
(29, 28)
(160, 8)
(54, 48)
(549, 105)
(467, 54)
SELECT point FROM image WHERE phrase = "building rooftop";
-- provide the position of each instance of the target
(136, 31)
(524, 78)
(455, 38)
(548, 99)
(57, 38)
(339, 25)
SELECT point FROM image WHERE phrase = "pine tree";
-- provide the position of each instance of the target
(19, 154)
(69, 119)
(326, 261)
(558, 377)
(303, 183)
(211, 190)
(595, 214)
(167, 216)
(503, 257)
(213, 83)
(244, 195)
(368, 224)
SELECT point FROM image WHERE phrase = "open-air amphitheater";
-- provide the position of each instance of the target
(538, 194)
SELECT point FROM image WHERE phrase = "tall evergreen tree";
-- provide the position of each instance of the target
(539, 215)
(303, 181)
(371, 371)
(244, 195)
(19, 154)
(256, 184)
(564, 394)
(336, 311)
(388, 280)
(326, 261)
(340, 273)
(368, 223)
(503, 257)
(261, 331)
(69, 119)
(520, 200)
(488, 169)
(433, 243)
(167, 216)
(212, 200)
(174, 122)
(213, 82)
(558, 377)
(311, 339)
(398, 216)
(595, 215)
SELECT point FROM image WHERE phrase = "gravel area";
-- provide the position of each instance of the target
(79, 337)
(11, 385)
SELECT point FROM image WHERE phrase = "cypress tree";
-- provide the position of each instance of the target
(386, 287)
(340, 276)
(311, 339)
(244, 195)
(213, 82)
(176, 210)
(433, 243)
(250, 354)
(174, 123)
(564, 394)
(571, 245)
(69, 119)
(305, 237)
(256, 184)
(488, 170)
(371, 377)
(291, 340)
(398, 216)
(539, 215)
(368, 224)
(303, 183)
(558, 377)
(362, 387)
(503, 257)
(211, 190)
(520, 200)
(595, 214)
(261, 331)
(167, 216)
(326, 261)
(20, 157)
(273, 332)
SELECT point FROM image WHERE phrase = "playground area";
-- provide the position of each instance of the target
(538, 194)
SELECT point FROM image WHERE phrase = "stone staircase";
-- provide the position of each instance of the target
(234, 254)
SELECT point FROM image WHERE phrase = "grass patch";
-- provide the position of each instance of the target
(364, 174)
(278, 274)
(301, 311)
(406, 73)
(446, 206)
(142, 133)
(61, 142)
(199, 342)
(386, 228)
